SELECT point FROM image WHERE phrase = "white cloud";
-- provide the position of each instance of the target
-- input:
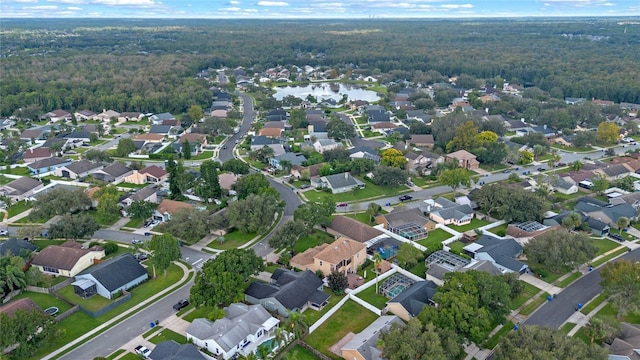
(68, 1)
(74, 8)
(126, 2)
(272, 3)
(456, 6)
(234, 9)
(26, 1)
(234, 2)
(40, 7)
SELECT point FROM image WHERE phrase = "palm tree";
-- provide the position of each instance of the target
(297, 323)
(13, 277)
(622, 223)
(279, 336)
(377, 259)
(286, 166)
(263, 351)
(576, 165)
(56, 147)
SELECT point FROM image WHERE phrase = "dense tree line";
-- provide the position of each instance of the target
(150, 67)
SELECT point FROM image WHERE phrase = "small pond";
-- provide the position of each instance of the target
(323, 91)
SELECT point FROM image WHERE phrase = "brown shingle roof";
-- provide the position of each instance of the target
(306, 258)
(154, 171)
(149, 137)
(36, 153)
(59, 257)
(462, 155)
(353, 229)
(171, 206)
(421, 139)
(226, 180)
(341, 249)
(192, 138)
(25, 304)
(385, 125)
(270, 132)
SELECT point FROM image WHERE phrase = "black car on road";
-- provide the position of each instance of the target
(181, 304)
(405, 197)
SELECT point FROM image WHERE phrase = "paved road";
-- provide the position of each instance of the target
(248, 115)
(553, 314)
(116, 337)
(113, 142)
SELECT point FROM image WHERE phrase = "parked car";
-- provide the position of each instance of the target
(342, 205)
(506, 171)
(405, 197)
(181, 304)
(4, 232)
(141, 256)
(137, 242)
(542, 169)
(142, 350)
(305, 186)
(616, 237)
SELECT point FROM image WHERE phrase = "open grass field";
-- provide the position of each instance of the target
(604, 245)
(474, 224)
(232, 240)
(44, 300)
(434, 238)
(350, 318)
(372, 297)
(312, 316)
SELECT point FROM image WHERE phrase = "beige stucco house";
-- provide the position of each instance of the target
(67, 259)
(344, 255)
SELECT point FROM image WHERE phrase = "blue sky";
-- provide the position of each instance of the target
(314, 8)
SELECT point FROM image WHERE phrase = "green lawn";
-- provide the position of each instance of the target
(604, 245)
(312, 316)
(44, 300)
(115, 354)
(5, 180)
(197, 313)
(545, 274)
(609, 257)
(19, 208)
(474, 224)
(371, 190)
(567, 327)
(205, 155)
(418, 181)
(536, 303)
(232, 240)
(370, 274)
(131, 186)
(493, 341)
(573, 148)
(362, 217)
(134, 223)
(434, 238)
(24, 171)
(166, 335)
(420, 269)
(102, 220)
(528, 292)
(457, 246)
(301, 353)
(316, 238)
(350, 318)
(372, 297)
(499, 230)
(41, 244)
(130, 356)
(571, 278)
(593, 304)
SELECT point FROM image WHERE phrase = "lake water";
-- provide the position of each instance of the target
(323, 91)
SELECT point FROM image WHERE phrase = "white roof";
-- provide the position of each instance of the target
(472, 247)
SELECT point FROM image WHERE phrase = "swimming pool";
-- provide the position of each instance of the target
(270, 344)
(396, 290)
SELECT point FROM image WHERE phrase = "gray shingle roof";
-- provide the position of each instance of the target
(502, 251)
(116, 169)
(366, 341)
(116, 272)
(415, 297)
(171, 350)
(15, 247)
(292, 289)
(82, 166)
(338, 181)
(23, 184)
(48, 162)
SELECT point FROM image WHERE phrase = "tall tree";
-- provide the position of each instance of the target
(455, 178)
(408, 255)
(73, 227)
(559, 250)
(388, 176)
(221, 278)
(253, 214)
(125, 147)
(416, 341)
(392, 158)
(141, 209)
(337, 282)
(165, 251)
(58, 202)
(236, 166)
(195, 112)
(600, 183)
(620, 283)
(287, 235)
(607, 133)
(107, 198)
(314, 214)
(31, 331)
(466, 137)
(189, 225)
(537, 343)
(208, 185)
(622, 223)
(186, 150)
(256, 184)
(339, 130)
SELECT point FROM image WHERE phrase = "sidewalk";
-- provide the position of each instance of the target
(120, 223)
(542, 285)
(581, 319)
(15, 218)
(123, 315)
(172, 323)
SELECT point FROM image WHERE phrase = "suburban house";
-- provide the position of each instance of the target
(169, 207)
(36, 154)
(109, 278)
(85, 115)
(288, 291)
(360, 153)
(114, 173)
(627, 345)
(151, 174)
(78, 169)
(364, 345)
(343, 255)
(502, 252)
(148, 194)
(16, 247)
(602, 211)
(353, 229)
(165, 130)
(466, 159)
(447, 212)
(171, 350)
(442, 262)
(77, 137)
(322, 145)
(410, 302)
(34, 134)
(271, 132)
(67, 259)
(107, 115)
(258, 142)
(407, 222)
(597, 227)
(421, 140)
(528, 229)
(196, 142)
(157, 119)
(276, 115)
(20, 188)
(318, 128)
(337, 183)
(291, 158)
(57, 115)
(238, 333)
(564, 187)
(131, 116)
(305, 172)
(377, 114)
(47, 164)
(150, 138)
